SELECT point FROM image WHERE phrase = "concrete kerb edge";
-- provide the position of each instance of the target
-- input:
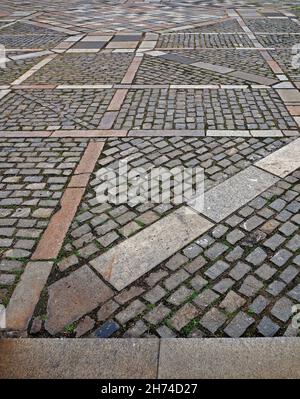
(177, 358)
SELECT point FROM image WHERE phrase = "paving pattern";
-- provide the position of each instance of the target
(284, 57)
(278, 40)
(17, 68)
(22, 35)
(39, 110)
(273, 25)
(34, 173)
(211, 84)
(203, 40)
(203, 109)
(83, 69)
(230, 26)
(109, 223)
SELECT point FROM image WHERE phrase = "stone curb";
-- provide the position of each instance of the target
(226, 358)
(202, 358)
(110, 116)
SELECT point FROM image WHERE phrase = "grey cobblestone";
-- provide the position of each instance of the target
(15, 69)
(39, 110)
(203, 40)
(197, 109)
(237, 327)
(83, 69)
(213, 320)
(267, 327)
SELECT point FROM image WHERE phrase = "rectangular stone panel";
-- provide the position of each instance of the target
(131, 259)
(42, 358)
(73, 296)
(284, 161)
(229, 358)
(232, 194)
(27, 295)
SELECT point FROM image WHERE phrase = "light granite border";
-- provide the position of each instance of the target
(106, 131)
(283, 161)
(132, 258)
(226, 358)
(178, 358)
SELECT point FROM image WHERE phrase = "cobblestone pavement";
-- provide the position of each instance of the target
(41, 109)
(84, 69)
(211, 84)
(16, 68)
(203, 109)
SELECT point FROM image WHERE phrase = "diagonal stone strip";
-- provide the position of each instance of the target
(283, 161)
(34, 69)
(131, 259)
(181, 59)
(288, 94)
(29, 55)
(217, 68)
(52, 27)
(3, 93)
(206, 23)
(253, 78)
(26, 295)
(224, 199)
(212, 67)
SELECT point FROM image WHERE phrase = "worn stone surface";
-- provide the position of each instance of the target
(26, 295)
(137, 359)
(202, 358)
(235, 192)
(283, 162)
(123, 264)
(74, 296)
